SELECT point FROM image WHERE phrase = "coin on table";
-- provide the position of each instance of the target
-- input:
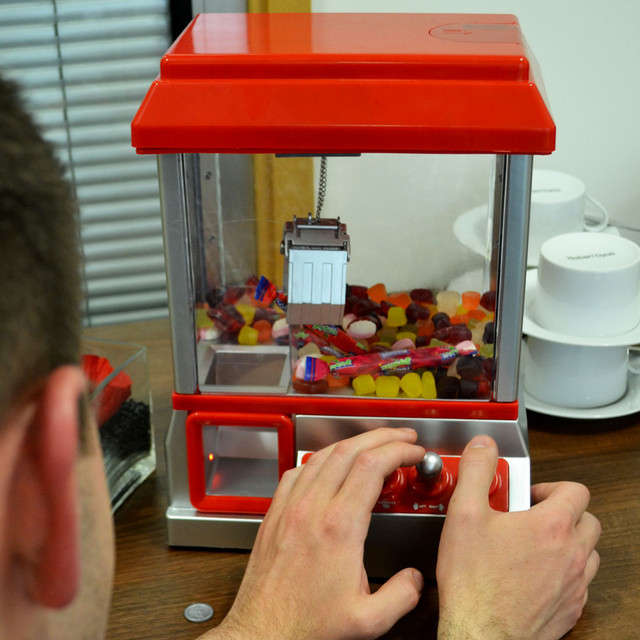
(198, 612)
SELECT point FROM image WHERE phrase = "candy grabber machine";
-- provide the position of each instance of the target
(312, 292)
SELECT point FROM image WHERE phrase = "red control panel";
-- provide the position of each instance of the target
(411, 490)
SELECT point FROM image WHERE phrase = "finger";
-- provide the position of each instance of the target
(592, 566)
(574, 495)
(476, 471)
(327, 469)
(393, 600)
(589, 529)
(361, 489)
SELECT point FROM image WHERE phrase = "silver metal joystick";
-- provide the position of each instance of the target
(430, 467)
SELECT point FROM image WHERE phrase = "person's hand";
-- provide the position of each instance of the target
(512, 575)
(305, 577)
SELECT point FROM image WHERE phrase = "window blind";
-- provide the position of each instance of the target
(84, 67)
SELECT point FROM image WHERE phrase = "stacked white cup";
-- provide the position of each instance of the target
(581, 314)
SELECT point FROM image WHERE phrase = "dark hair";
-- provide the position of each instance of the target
(40, 286)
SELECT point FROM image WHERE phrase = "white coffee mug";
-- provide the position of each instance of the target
(588, 285)
(558, 203)
(577, 377)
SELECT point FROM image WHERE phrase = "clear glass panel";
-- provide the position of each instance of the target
(421, 266)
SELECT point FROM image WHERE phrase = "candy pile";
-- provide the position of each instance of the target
(417, 344)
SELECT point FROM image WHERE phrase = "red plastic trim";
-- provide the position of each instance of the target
(347, 83)
(351, 406)
(248, 505)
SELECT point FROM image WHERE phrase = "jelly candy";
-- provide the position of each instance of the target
(280, 331)
(246, 311)
(469, 388)
(422, 295)
(448, 387)
(248, 336)
(469, 367)
(310, 386)
(416, 311)
(357, 290)
(448, 302)
(362, 329)
(396, 317)
(263, 327)
(428, 386)
(400, 300)
(488, 334)
(378, 292)
(402, 344)
(486, 350)
(470, 299)
(387, 386)
(364, 385)
(407, 335)
(411, 384)
(488, 300)
(226, 317)
(458, 333)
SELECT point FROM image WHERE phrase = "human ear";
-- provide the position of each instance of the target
(47, 524)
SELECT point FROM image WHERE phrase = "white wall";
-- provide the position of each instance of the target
(589, 55)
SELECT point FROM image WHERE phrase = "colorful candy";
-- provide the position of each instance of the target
(413, 326)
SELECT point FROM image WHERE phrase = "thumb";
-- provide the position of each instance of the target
(395, 598)
(476, 471)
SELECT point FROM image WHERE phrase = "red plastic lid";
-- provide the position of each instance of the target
(347, 83)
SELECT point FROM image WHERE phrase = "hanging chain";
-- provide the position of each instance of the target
(322, 186)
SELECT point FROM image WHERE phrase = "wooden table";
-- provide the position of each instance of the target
(154, 583)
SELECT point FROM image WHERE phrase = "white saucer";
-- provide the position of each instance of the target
(628, 404)
(532, 328)
(470, 228)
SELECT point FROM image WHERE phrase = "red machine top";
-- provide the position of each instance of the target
(347, 83)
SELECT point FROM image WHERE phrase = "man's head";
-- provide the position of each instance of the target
(54, 509)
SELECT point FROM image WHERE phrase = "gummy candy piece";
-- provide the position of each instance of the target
(488, 335)
(469, 388)
(448, 387)
(248, 336)
(400, 300)
(448, 302)
(309, 349)
(417, 312)
(280, 331)
(263, 327)
(362, 329)
(486, 350)
(364, 385)
(411, 384)
(378, 292)
(407, 335)
(396, 317)
(357, 290)
(233, 294)
(310, 386)
(246, 311)
(226, 317)
(458, 333)
(428, 386)
(347, 319)
(460, 318)
(488, 300)
(202, 319)
(469, 367)
(470, 299)
(422, 295)
(402, 344)
(387, 386)
(426, 328)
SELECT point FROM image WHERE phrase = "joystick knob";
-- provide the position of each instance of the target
(430, 467)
